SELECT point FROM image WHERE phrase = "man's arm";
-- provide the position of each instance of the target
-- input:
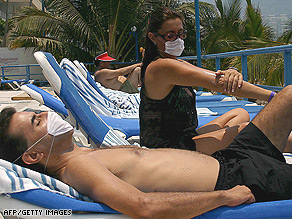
(114, 73)
(127, 69)
(92, 179)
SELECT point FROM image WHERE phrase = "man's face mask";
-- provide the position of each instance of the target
(55, 126)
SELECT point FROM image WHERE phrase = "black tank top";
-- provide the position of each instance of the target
(170, 122)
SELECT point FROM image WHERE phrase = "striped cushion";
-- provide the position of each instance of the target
(93, 98)
(15, 178)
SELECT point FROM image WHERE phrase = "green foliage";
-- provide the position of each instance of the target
(224, 29)
(79, 28)
(286, 37)
(2, 27)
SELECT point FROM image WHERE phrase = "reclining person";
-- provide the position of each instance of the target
(159, 183)
(115, 79)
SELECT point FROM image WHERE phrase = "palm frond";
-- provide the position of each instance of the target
(286, 37)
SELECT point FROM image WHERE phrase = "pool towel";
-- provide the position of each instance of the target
(14, 178)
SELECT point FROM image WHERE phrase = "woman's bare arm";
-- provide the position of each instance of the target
(162, 74)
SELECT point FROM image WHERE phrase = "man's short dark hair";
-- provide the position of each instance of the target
(97, 62)
(13, 146)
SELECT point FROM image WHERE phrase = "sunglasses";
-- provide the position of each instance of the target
(173, 36)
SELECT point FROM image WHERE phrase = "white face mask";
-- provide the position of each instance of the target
(174, 48)
(55, 126)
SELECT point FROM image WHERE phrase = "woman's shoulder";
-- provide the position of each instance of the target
(164, 62)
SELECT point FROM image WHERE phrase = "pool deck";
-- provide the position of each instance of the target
(7, 100)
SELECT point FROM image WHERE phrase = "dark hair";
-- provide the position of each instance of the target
(96, 62)
(13, 146)
(156, 20)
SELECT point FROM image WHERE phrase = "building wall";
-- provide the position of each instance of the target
(278, 23)
(14, 5)
(19, 56)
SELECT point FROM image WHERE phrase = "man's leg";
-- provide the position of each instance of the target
(275, 120)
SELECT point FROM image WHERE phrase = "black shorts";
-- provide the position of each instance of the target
(252, 160)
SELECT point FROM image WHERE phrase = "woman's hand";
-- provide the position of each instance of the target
(230, 79)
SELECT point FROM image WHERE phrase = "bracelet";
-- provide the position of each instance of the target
(271, 96)
(233, 68)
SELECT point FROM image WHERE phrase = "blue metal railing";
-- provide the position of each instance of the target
(27, 74)
(285, 49)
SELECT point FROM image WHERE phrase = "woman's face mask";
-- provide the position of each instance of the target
(174, 48)
(55, 126)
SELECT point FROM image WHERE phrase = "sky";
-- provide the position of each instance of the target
(268, 7)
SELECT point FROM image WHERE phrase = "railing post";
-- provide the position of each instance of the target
(28, 72)
(217, 61)
(244, 67)
(218, 67)
(287, 68)
(198, 34)
(3, 77)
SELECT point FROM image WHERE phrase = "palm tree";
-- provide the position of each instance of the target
(6, 23)
(80, 28)
(273, 71)
(286, 37)
(225, 29)
(2, 29)
(207, 13)
(257, 33)
(262, 69)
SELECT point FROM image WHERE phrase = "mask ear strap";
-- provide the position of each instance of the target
(49, 154)
(30, 147)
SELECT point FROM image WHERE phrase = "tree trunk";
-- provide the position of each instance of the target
(111, 45)
(6, 24)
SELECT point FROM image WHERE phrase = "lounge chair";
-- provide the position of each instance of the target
(22, 188)
(15, 84)
(45, 98)
(93, 97)
(87, 120)
(119, 98)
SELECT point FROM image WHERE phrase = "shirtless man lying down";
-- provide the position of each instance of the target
(115, 78)
(159, 183)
